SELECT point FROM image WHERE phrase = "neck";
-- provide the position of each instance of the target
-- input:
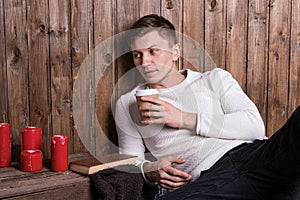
(174, 78)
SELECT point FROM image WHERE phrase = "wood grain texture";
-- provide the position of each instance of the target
(126, 14)
(103, 31)
(149, 7)
(81, 46)
(3, 75)
(215, 31)
(257, 68)
(17, 69)
(294, 76)
(44, 44)
(279, 44)
(16, 184)
(236, 49)
(193, 35)
(61, 71)
(39, 70)
(172, 10)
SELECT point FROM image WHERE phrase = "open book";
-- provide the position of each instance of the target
(94, 164)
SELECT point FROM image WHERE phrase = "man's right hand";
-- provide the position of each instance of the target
(162, 172)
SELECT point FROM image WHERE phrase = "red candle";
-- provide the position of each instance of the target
(5, 150)
(31, 138)
(31, 160)
(59, 153)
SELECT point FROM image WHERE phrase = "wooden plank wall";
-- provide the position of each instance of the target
(44, 43)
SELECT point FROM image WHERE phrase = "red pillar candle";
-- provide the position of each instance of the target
(59, 153)
(5, 150)
(31, 160)
(31, 138)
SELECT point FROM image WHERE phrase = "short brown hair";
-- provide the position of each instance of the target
(150, 23)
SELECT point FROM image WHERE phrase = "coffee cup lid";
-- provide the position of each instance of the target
(146, 92)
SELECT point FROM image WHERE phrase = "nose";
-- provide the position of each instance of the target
(146, 60)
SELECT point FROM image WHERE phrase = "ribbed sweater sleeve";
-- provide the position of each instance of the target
(241, 119)
(130, 141)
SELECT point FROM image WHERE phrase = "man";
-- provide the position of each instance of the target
(207, 135)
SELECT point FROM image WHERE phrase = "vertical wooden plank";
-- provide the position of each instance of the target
(257, 54)
(80, 34)
(215, 31)
(127, 75)
(127, 12)
(193, 35)
(17, 69)
(278, 64)
(103, 21)
(104, 30)
(124, 64)
(39, 73)
(61, 72)
(3, 77)
(149, 7)
(236, 54)
(172, 10)
(294, 79)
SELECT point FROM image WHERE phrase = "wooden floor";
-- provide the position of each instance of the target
(45, 184)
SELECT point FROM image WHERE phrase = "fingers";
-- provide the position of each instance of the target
(153, 107)
(165, 174)
(178, 160)
(152, 113)
(171, 185)
(152, 100)
(177, 174)
(172, 178)
(150, 107)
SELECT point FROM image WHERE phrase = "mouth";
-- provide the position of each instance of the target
(149, 72)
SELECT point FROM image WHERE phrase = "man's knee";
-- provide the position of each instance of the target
(296, 114)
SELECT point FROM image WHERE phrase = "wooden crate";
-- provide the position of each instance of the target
(45, 184)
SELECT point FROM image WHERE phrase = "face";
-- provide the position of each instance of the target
(154, 57)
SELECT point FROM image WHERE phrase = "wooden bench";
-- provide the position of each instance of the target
(45, 184)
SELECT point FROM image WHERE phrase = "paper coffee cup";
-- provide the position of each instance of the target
(145, 92)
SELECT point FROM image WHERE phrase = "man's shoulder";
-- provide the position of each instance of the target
(210, 74)
(217, 74)
(217, 70)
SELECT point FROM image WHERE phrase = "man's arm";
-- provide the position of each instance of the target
(162, 112)
(129, 140)
(240, 119)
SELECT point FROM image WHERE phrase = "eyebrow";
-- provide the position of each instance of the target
(150, 47)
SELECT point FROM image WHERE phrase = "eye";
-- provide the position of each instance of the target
(153, 51)
(136, 55)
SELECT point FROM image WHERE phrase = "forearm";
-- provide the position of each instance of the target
(242, 125)
(189, 121)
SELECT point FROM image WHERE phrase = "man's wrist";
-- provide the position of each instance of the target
(146, 171)
(189, 121)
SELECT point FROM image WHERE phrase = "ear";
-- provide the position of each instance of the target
(176, 51)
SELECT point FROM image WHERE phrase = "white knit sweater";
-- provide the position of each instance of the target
(226, 117)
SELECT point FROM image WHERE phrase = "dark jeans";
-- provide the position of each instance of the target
(264, 169)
